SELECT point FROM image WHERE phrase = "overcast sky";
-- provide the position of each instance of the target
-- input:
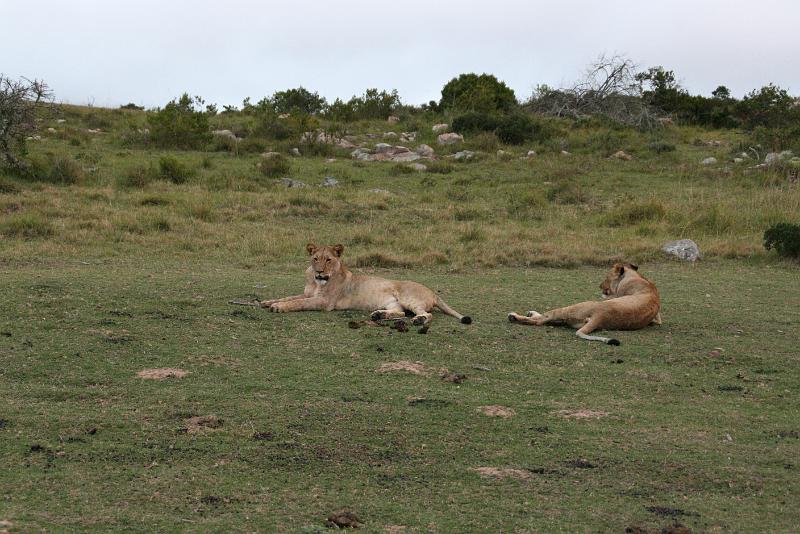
(147, 52)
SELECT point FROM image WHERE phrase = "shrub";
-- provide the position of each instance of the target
(274, 166)
(517, 128)
(297, 100)
(660, 147)
(8, 186)
(180, 124)
(475, 121)
(567, 192)
(784, 238)
(482, 93)
(439, 167)
(373, 104)
(173, 170)
(65, 171)
(19, 101)
(528, 205)
(26, 226)
(634, 213)
(137, 177)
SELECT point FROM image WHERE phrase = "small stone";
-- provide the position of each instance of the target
(531, 154)
(270, 155)
(393, 119)
(425, 151)
(684, 249)
(709, 161)
(449, 139)
(565, 153)
(330, 181)
(288, 182)
(464, 154)
(296, 152)
(417, 166)
(439, 128)
(621, 154)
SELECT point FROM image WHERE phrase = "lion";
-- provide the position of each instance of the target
(331, 286)
(632, 302)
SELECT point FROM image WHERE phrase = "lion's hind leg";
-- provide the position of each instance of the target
(590, 326)
(391, 312)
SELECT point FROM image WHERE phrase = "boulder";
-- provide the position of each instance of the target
(295, 152)
(330, 181)
(284, 115)
(225, 133)
(425, 151)
(288, 182)
(389, 134)
(362, 154)
(51, 130)
(737, 160)
(383, 148)
(344, 143)
(684, 249)
(531, 154)
(393, 119)
(772, 158)
(270, 155)
(408, 137)
(709, 161)
(440, 128)
(449, 139)
(417, 166)
(565, 153)
(61, 121)
(404, 156)
(464, 154)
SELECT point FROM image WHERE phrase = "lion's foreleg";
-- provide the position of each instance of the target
(268, 303)
(300, 304)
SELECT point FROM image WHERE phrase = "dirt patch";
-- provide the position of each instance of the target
(161, 374)
(343, 519)
(502, 472)
(581, 463)
(202, 422)
(497, 411)
(263, 436)
(666, 511)
(417, 368)
(455, 378)
(581, 414)
(394, 529)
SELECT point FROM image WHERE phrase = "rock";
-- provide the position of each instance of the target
(440, 128)
(665, 121)
(330, 160)
(295, 152)
(744, 155)
(330, 181)
(393, 119)
(425, 151)
(270, 155)
(772, 158)
(501, 153)
(737, 160)
(684, 249)
(464, 154)
(378, 190)
(417, 166)
(389, 134)
(61, 121)
(383, 148)
(404, 156)
(709, 161)
(621, 154)
(225, 133)
(786, 154)
(408, 137)
(449, 139)
(565, 153)
(34, 138)
(344, 143)
(51, 130)
(288, 182)
(713, 143)
(94, 131)
(284, 115)
(362, 154)
(531, 154)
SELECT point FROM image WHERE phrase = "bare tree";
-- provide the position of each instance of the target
(609, 88)
(19, 100)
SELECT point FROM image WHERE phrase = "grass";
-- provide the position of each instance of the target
(308, 426)
(125, 258)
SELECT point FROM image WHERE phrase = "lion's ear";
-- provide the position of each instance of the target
(338, 249)
(311, 248)
(619, 269)
(633, 266)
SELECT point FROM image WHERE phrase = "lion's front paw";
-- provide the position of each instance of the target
(266, 303)
(278, 307)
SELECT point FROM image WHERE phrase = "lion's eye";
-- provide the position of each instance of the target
(327, 260)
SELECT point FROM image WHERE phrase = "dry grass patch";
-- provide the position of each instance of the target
(497, 411)
(161, 374)
(581, 414)
(502, 472)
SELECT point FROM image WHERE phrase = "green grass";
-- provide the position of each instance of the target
(125, 261)
(89, 446)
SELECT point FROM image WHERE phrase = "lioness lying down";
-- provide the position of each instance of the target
(631, 303)
(331, 286)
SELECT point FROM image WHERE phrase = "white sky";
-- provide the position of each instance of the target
(147, 52)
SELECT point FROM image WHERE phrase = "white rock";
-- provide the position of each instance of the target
(685, 249)
(771, 158)
(464, 154)
(425, 151)
(61, 121)
(393, 119)
(389, 134)
(225, 133)
(330, 181)
(378, 190)
(288, 182)
(621, 154)
(417, 166)
(284, 115)
(440, 128)
(404, 156)
(296, 152)
(51, 130)
(382, 148)
(531, 154)
(565, 153)
(270, 155)
(737, 160)
(709, 161)
(449, 139)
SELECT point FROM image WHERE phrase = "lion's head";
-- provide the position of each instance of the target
(325, 261)
(615, 278)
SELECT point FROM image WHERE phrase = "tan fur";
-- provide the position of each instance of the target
(331, 286)
(632, 302)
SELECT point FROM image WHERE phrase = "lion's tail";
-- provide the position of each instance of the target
(442, 305)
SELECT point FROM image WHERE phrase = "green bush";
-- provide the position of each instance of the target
(660, 147)
(784, 238)
(180, 124)
(274, 166)
(55, 170)
(518, 128)
(173, 170)
(8, 186)
(439, 167)
(299, 100)
(482, 93)
(636, 212)
(475, 121)
(137, 177)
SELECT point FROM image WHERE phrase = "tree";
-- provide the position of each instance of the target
(19, 100)
(482, 93)
(721, 93)
(182, 123)
(298, 100)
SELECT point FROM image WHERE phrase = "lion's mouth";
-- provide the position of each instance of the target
(322, 277)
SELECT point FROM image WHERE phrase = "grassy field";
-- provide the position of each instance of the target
(701, 425)
(284, 419)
